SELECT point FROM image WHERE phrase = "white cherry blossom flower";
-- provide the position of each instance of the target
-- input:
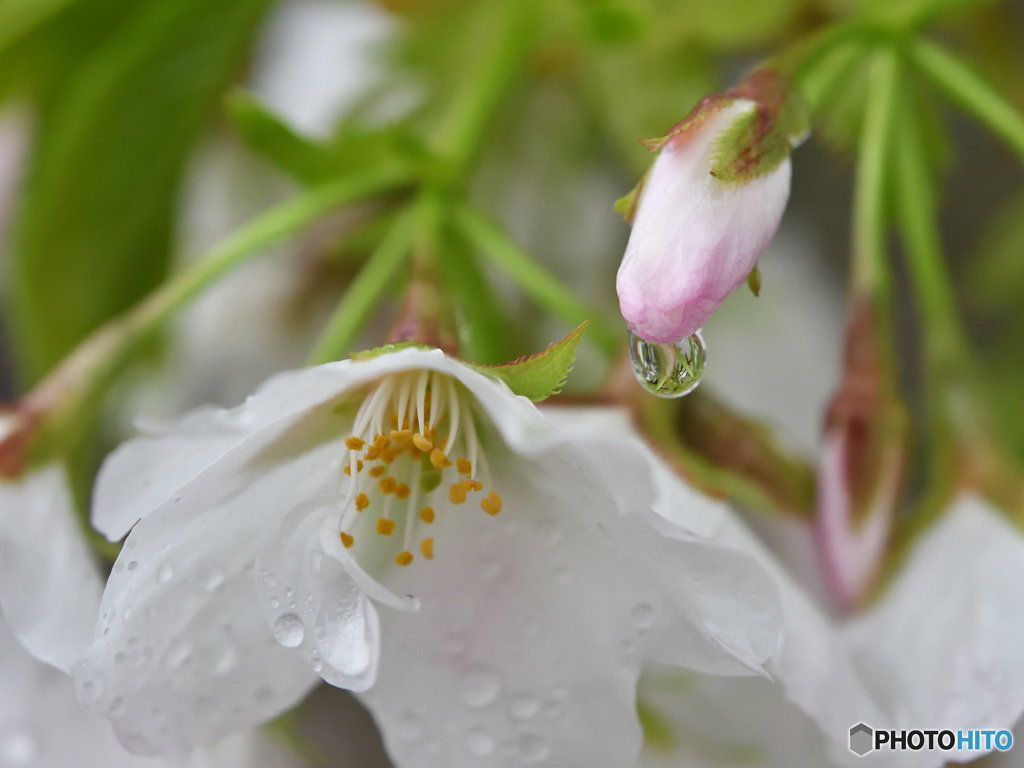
(939, 649)
(413, 531)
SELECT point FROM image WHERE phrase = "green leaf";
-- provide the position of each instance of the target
(542, 375)
(266, 134)
(95, 231)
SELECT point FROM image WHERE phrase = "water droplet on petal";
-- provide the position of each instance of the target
(289, 630)
(479, 687)
(668, 370)
(133, 564)
(17, 747)
(164, 573)
(275, 603)
(316, 560)
(212, 581)
(479, 742)
(532, 748)
(642, 615)
(316, 665)
(523, 706)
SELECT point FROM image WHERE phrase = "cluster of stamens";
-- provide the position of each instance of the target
(396, 453)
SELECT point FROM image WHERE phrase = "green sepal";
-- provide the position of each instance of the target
(707, 106)
(754, 281)
(538, 376)
(387, 349)
(626, 206)
(758, 141)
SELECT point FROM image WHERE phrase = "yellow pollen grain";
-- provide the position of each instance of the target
(347, 539)
(401, 437)
(372, 454)
(354, 443)
(381, 441)
(390, 454)
(427, 515)
(439, 460)
(427, 548)
(492, 504)
(404, 558)
(402, 491)
(457, 493)
(377, 471)
(464, 466)
(388, 485)
(362, 502)
(422, 443)
(385, 527)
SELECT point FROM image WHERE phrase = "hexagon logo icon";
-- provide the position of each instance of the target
(861, 739)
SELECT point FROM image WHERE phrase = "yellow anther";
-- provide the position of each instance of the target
(354, 443)
(359, 468)
(457, 493)
(385, 527)
(427, 515)
(390, 453)
(402, 491)
(347, 539)
(380, 442)
(427, 548)
(388, 485)
(348, 471)
(464, 466)
(473, 485)
(422, 443)
(401, 437)
(439, 460)
(492, 504)
(377, 471)
(393, 420)
(372, 454)
(362, 502)
(404, 557)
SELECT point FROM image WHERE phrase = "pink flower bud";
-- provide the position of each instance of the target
(698, 232)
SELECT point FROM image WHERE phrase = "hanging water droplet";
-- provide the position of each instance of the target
(479, 742)
(668, 370)
(479, 687)
(289, 630)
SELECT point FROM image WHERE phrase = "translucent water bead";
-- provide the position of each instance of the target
(668, 370)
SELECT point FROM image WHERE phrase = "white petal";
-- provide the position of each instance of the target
(533, 624)
(182, 652)
(49, 584)
(312, 604)
(943, 646)
(144, 473)
(712, 721)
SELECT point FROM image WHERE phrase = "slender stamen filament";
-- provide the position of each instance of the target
(430, 442)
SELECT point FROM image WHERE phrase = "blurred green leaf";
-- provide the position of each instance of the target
(95, 231)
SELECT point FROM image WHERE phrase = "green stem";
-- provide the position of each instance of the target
(971, 93)
(870, 270)
(820, 81)
(805, 56)
(67, 395)
(540, 284)
(365, 290)
(945, 341)
(487, 81)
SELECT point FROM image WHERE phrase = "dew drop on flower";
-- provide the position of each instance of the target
(17, 747)
(532, 749)
(642, 615)
(316, 665)
(164, 573)
(479, 687)
(523, 706)
(668, 370)
(289, 630)
(479, 742)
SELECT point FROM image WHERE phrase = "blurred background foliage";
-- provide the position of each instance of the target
(119, 96)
